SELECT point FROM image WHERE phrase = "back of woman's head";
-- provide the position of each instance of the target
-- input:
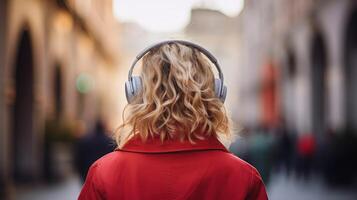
(177, 99)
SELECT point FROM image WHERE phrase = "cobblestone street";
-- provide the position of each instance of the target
(283, 188)
(68, 189)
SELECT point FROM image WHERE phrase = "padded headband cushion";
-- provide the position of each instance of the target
(208, 54)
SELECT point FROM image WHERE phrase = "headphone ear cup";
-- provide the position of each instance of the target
(217, 87)
(223, 95)
(128, 93)
(220, 90)
(133, 88)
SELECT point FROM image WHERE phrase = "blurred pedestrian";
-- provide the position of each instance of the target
(261, 149)
(168, 147)
(239, 146)
(306, 147)
(285, 148)
(90, 147)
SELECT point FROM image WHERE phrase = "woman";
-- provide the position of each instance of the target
(168, 146)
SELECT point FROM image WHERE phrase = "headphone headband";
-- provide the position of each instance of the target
(186, 43)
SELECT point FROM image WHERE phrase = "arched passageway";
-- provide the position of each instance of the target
(23, 110)
(58, 91)
(350, 63)
(319, 84)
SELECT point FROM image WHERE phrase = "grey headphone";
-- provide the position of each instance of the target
(134, 86)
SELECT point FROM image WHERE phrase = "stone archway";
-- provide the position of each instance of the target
(22, 136)
(319, 85)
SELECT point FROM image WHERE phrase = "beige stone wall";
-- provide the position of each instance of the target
(63, 37)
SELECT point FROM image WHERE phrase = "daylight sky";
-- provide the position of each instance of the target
(168, 15)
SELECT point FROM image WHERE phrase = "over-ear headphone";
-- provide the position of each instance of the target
(134, 85)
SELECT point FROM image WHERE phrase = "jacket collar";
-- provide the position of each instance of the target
(155, 145)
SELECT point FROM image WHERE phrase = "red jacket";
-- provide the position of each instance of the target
(172, 170)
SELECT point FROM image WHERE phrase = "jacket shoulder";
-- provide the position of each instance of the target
(239, 169)
(107, 160)
(229, 160)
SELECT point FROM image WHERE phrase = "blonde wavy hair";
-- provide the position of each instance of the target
(177, 99)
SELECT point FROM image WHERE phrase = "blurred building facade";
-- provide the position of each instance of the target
(134, 39)
(219, 33)
(59, 60)
(298, 64)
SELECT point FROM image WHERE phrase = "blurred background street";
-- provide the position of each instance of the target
(289, 66)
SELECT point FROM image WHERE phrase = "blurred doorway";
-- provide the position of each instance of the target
(58, 100)
(289, 103)
(23, 109)
(318, 63)
(351, 71)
